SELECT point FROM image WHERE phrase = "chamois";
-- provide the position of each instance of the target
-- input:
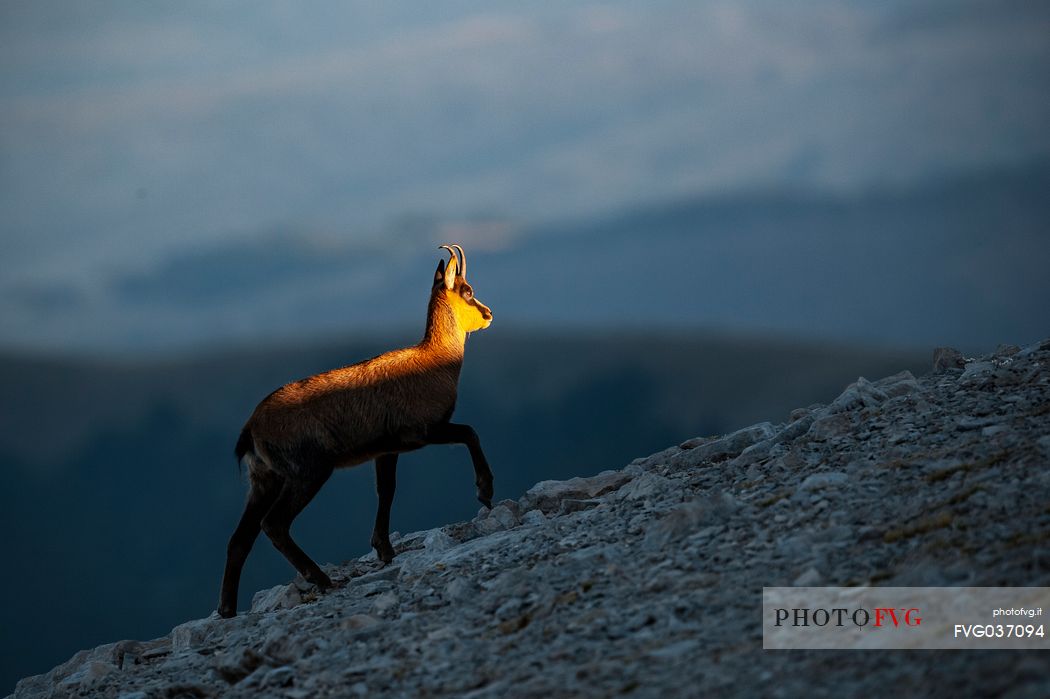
(393, 403)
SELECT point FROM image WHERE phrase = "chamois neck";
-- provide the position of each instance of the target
(443, 334)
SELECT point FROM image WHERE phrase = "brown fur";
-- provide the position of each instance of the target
(396, 402)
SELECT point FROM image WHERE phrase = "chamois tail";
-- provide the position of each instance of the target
(245, 444)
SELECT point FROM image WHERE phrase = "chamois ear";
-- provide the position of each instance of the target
(439, 274)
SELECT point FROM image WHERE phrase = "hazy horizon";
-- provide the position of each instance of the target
(955, 262)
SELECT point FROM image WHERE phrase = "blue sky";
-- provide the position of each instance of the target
(132, 131)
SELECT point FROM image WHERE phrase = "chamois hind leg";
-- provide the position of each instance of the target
(453, 433)
(294, 496)
(386, 482)
(261, 496)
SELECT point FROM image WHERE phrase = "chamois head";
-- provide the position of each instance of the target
(450, 285)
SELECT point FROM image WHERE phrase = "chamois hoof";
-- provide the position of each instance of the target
(384, 550)
(226, 612)
(485, 494)
(322, 581)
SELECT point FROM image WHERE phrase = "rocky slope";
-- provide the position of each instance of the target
(647, 581)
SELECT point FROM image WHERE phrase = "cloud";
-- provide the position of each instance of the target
(344, 116)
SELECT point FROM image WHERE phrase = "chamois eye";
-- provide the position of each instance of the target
(467, 293)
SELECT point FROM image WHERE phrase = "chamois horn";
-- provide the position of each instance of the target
(462, 261)
(453, 254)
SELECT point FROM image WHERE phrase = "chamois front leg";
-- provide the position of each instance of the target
(453, 433)
(386, 482)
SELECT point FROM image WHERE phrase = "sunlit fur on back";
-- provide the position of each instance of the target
(396, 402)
